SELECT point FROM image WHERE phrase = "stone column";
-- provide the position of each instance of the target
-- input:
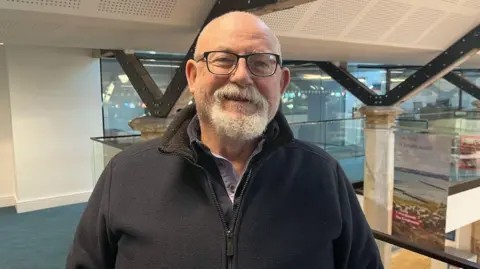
(153, 127)
(150, 127)
(379, 171)
(476, 104)
(475, 239)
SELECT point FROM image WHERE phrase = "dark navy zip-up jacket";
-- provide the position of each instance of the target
(160, 204)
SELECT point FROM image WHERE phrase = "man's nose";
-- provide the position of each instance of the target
(241, 76)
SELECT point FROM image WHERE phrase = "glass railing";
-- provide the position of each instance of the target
(105, 148)
(344, 140)
(461, 121)
(341, 138)
(465, 114)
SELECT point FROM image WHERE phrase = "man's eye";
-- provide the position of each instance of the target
(223, 62)
(261, 64)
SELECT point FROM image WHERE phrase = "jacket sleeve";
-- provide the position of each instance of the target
(93, 247)
(356, 247)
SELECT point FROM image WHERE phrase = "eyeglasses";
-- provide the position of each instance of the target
(224, 63)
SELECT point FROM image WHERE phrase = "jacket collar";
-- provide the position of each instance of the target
(177, 140)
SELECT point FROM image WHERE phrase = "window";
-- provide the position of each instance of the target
(467, 99)
(313, 96)
(121, 103)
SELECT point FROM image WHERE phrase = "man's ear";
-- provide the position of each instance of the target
(191, 73)
(285, 79)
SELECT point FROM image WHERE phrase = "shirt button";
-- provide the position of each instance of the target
(232, 188)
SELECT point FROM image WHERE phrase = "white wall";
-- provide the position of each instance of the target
(7, 172)
(55, 96)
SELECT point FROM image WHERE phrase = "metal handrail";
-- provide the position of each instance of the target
(115, 136)
(322, 121)
(431, 253)
(345, 119)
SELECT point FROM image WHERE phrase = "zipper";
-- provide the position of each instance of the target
(230, 251)
(238, 202)
(237, 208)
(229, 233)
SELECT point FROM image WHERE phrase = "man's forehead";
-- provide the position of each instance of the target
(249, 50)
(240, 43)
(238, 32)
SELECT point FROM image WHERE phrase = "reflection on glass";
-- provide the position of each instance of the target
(161, 72)
(313, 95)
(441, 96)
(342, 139)
(467, 99)
(121, 103)
(375, 79)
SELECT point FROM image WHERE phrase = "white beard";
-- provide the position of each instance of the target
(243, 127)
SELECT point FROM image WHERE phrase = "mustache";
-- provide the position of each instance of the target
(249, 94)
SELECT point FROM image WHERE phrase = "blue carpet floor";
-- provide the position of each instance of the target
(37, 240)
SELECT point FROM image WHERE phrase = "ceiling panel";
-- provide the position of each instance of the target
(378, 20)
(449, 30)
(388, 31)
(409, 31)
(171, 12)
(472, 4)
(70, 4)
(332, 17)
(286, 20)
(451, 1)
(151, 9)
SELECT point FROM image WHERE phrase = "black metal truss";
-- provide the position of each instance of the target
(463, 84)
(160, 106)
(179, 81)
(146, 56)
(141, 80)
(349, 82)
(461, 50)
(441, 66)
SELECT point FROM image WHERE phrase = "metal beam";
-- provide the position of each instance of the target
(451, 58)
(388, 80)
(141, 80)
(350, 83)
(463, 84)
(178, 84)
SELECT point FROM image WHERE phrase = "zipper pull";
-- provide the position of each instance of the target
(229, 243)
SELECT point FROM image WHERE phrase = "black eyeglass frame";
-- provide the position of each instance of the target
(246, 56)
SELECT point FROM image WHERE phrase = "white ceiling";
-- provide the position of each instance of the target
(385, 31)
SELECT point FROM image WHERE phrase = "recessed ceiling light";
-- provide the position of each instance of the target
(1, 44)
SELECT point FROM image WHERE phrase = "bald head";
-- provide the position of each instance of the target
(236, 98)
(234, 24)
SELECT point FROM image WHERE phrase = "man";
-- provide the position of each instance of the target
(227, 186)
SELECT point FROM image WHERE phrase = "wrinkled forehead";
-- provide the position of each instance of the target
(241, 39)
